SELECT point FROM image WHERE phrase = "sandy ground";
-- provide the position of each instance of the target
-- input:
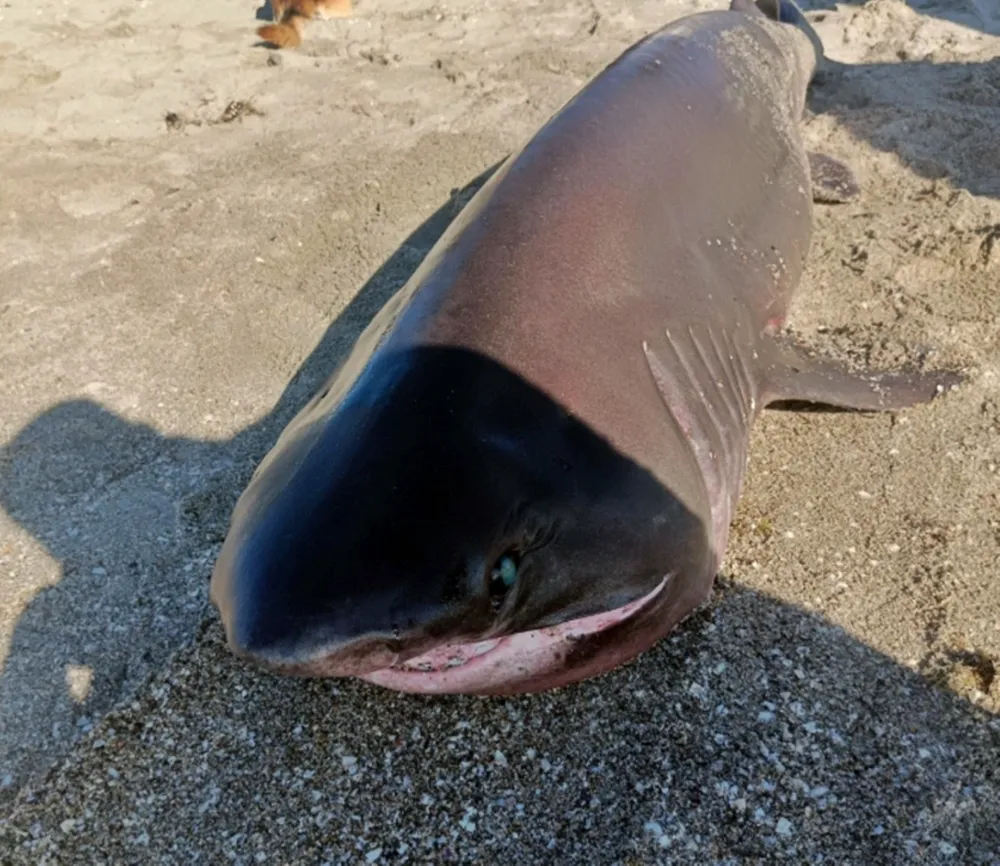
(192, 232)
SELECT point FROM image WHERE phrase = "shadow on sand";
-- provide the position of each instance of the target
(74, 466)
(981, 15)
(60, 482)
(756, 733)
(963, 98)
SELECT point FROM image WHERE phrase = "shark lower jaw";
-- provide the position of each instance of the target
(531, 661)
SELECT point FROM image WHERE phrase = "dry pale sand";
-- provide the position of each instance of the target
(193, 230)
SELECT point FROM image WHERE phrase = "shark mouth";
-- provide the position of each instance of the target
(526, 661)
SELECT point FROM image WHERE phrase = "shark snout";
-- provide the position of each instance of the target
(352, 659)
(310, 648)
(351, 638)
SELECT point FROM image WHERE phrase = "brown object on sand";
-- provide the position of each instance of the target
(291, 16)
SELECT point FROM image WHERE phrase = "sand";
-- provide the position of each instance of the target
(192, 232)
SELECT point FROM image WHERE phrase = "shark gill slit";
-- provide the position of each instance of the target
(717, 371)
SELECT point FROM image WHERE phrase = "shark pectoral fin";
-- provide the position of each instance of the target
(832, 181)
(793, 374)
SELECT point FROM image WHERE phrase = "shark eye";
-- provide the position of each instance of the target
(503, 577)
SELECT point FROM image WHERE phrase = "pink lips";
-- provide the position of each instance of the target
(498, 665)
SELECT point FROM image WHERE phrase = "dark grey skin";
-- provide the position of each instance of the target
(525, 472)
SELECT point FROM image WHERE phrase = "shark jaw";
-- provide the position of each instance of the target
(530, 661)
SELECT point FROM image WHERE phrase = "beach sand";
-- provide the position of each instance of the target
(193, 230)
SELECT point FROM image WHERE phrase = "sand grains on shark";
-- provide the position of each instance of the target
(524, 473)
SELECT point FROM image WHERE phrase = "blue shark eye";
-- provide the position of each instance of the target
(508, 571)
(503, 576)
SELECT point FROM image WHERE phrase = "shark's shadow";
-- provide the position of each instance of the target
(887, 104)
(134, 519)
(758, 733)
(959, 97)
(974, 14)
